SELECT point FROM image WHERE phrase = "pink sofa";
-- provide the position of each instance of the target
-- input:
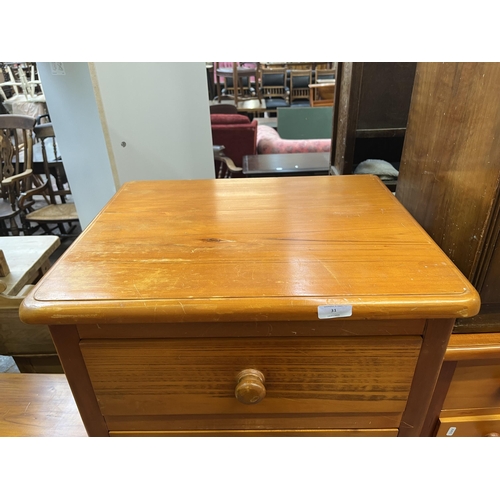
(270, 142)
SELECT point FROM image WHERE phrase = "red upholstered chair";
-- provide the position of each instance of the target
(237, 134)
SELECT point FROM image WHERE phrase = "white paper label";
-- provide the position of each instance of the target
(451, 431)
(333, 311)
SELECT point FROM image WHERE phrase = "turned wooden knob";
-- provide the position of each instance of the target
(492, 435)
(250, 389)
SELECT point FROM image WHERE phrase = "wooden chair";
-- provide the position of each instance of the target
(299, 87)
(58, 211)
(322, 94)
(32, 85)
(10, 83)
(223, 109)
(323, 89)
(322, 75)
(16, 143)
(273, 88)
(224, 166)
(237, 82)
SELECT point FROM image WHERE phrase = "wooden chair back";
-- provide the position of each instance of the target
(237, 81)
(16, 160)
(16, 144)
(322, 75)
(299, 84)
(224, 166)
(55, 169)
(223, 109)
(273, 83)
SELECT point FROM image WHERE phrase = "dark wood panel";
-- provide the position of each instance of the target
(345, 116)
(385, 95)
(488, 321)
(449, 170)
(490, 286)
(371, 112)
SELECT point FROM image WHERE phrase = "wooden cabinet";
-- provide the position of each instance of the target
(467, 401)
(450, 181)
(372, 101)
(450, 172)
(292, 306)
(476, 426)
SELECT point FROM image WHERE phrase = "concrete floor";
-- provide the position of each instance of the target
(7, 365)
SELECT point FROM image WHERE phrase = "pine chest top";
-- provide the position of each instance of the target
(251, 250)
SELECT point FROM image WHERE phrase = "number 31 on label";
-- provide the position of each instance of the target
(334, 311)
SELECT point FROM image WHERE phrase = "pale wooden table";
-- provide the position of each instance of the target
(27, 257)
(38, 405)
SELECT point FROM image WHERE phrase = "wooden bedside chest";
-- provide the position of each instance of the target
(275, 306)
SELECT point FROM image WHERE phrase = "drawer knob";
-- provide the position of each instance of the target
(250, 389)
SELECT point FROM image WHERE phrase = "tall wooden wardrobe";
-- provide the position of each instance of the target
(370, 113)
(450, 181)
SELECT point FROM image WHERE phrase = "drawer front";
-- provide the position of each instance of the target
(471, 426)
(475, 384)
(173, 384)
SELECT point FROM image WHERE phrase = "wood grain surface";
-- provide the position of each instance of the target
(266, 329)
(475, 384)
(472, 346)
(449, 169)
(178, 286)
(26, 257)
(469, 426)
(277, 248)
(196, 377)
(262, 433)
(38, 405)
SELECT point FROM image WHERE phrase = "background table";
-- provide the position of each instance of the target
(286, 164)
(27, 258)
(30, 346)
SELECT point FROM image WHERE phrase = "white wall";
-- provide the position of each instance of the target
(77, 125)
(159, 110)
